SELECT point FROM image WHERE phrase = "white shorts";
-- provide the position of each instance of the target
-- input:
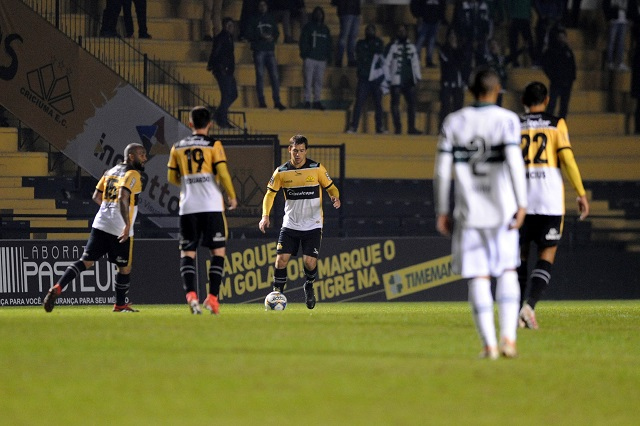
(484, 252)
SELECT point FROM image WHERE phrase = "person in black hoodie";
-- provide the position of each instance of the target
(559, 64)
(315, 51)
(452, 85)
(222, 64)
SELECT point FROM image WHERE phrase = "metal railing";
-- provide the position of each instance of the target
(156, 79)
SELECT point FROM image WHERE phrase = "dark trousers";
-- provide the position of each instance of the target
(141, 16)
(521, 27)
(562, 91)
(363, 90)
(410, 94)
(451, 99)
(110, 17)
(262, 59)
(228, 94)
(637, 117)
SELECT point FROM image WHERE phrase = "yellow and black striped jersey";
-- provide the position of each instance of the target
(196, 158)
(109, 219)
(544, 138)
(302, 190)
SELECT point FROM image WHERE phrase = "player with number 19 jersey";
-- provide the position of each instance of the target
(545, 144)
(197, 156)
(482, 142)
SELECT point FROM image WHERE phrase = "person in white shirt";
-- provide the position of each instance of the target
(479, 147)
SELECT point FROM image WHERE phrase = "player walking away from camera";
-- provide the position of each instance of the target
(545, 146)
(117, 194)
(301, 180)
(198, 165)
(478, 146)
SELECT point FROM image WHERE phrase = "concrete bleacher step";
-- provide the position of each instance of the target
(16, 193)
(80, 236)
(8, 139)
(6, 203)
(10, 182)
(24, 163)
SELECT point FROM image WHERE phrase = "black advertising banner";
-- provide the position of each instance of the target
(348, 270)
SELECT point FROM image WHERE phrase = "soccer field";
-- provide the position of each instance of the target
(340, 364)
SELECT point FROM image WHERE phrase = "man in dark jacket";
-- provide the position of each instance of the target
(222, 64)
(451, 83)
(262, 32)
(559, 64)
(428, 14)
(368, 50)
(315, 51)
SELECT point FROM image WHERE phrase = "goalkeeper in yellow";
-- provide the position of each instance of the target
(301, 180)
(545, 147)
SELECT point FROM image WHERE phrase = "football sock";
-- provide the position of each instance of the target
(72, 271)
(123, 282)
(216, 270)
(508, 299)
(540, 277)
(481, 302)
(523, 277)
(188, 273)
(311, 274)
(280, 278)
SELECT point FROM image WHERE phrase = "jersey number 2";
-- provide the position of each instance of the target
(541, 140)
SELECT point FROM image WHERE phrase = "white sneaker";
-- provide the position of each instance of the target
(489, 352)
(527, 318)
(508, 348)
(351, 130)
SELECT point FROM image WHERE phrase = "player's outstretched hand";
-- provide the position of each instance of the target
(444, 224)
(518, 219)
(336, 202)
(264, 223)
(233, 203)
(583, 206)
(124, 235)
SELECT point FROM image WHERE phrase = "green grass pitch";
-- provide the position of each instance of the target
(340, 364)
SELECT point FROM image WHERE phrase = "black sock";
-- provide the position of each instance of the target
(216, 270)
(72, 271)
(523, 277)
(280, 278)
(123, 283)
(540, 277)
(311, 275)
(188, 273)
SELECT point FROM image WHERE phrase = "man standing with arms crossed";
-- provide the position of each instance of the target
(479, 147)
(198, 164)
(302, 180)
(117, 194)
(545, 146)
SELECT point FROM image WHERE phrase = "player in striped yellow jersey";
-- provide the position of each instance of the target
(198, 165)
(545, 148)
(117, 194)
(302, 181)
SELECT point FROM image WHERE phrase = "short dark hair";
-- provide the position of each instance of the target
(534, 94)
(483, 81)
(199, 117)
(299, 140)
(130, 149)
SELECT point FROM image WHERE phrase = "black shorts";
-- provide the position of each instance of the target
(101, 243)
(545, 231)
(290, 241)
(208, 229)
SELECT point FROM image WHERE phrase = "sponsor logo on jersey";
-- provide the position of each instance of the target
(311, 179)
(553, 235)
(133, 183)
(302, 193)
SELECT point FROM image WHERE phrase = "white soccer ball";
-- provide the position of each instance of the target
(275, 301)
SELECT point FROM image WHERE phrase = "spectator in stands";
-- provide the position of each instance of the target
(618, 13)
(263, 33)
(349, 14)
(472, 24)
(635, 77)
(117, 194)
(110, 18)
(222, 65)
(429, 14)
(403, 62)
(249, 10)
(519, 14)
(299, 13)
(559, 64)
(550, 14)
(452, 84)
(212, 18)
(495, 60)
(281, 12)
(573, 17)
(370, 60)
(141, 17)
(315, 51)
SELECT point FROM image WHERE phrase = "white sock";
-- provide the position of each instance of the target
(508, 298)
(481, 302)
